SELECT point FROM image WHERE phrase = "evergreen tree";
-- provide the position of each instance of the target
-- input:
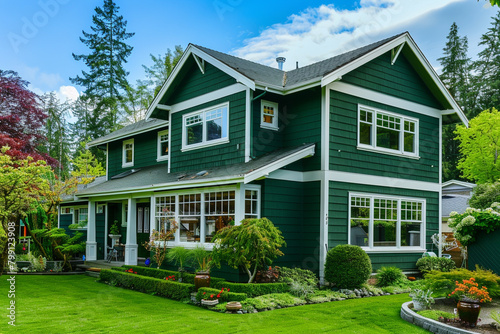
(488, 67)
(106, 79)
(456, 76)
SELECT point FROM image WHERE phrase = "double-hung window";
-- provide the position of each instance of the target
(206, 127)
(269, 115)
(380, 222)
(162, 145)
(128, 153)
(387, 132)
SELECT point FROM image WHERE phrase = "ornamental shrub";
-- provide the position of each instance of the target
(253, 289)
(347, 266)
(298, 275)
(468, 225)
(390, 276)
(161, 287)
(428, 263)
(226, 296)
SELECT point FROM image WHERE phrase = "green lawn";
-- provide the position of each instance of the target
(74, 304)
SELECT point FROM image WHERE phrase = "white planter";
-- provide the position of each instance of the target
(209, 302)
(418, 306)
(114, 238)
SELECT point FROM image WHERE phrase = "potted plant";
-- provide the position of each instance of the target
(202, 259)
(422, 299)
(114, 233)
(210, 300)
(469, 298)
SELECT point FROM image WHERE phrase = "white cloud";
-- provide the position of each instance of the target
(323, 32)
(67, 93)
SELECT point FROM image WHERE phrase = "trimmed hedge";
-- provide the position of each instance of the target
(161, 287)
(347, 266)
(224, 297)
(162, 273)
(427, 264)
(254, 289)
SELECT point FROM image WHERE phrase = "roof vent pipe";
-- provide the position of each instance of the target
(280, 61)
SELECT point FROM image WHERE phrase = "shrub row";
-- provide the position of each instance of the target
(226, 296)
(162, 273)
(169, 289)
(253, 289)
(427, 264)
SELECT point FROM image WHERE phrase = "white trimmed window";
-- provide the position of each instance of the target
(162, 145)
(387, 132)
(66, 211)
(269, 115)
(128, 153)
(379, 222)
(251, 204)
(219, 212)
(206, 127)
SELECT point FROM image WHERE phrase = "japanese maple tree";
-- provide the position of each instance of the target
(21, 119)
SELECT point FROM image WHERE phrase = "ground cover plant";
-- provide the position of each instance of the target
(84, 306)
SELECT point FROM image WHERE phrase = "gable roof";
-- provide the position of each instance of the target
(157, 177)
(322, 73)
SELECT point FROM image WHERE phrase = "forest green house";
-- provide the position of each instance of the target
(344, 151)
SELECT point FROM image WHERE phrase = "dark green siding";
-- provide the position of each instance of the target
(217, 155)
(65, 220)
(338, 220)
(399, 80)
(293, 207)
(343, 138)
(191, 82)
(100, 225)
(266, 140)
(145, 152)
(484, 252)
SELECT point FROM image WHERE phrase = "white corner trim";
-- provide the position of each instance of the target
(265, 171)
(385, 99)
(323, 228)
(208, 97)
(248, 122)
(325, 128)
(382, 181)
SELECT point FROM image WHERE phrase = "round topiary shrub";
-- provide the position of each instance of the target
(347, 266)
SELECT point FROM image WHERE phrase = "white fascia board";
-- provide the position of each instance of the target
(265, 171)
(208, 97)
(384, 99)
(224, 68)
(128, 134)
(333, 76)
(168, 186)
(382, 181)
(458, 183)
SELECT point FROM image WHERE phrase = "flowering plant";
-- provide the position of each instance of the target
(468, 291)
(131, 271)
(172, 277)
(467, 225)
(214, 296)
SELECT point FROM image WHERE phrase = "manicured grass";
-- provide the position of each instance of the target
(79, 304)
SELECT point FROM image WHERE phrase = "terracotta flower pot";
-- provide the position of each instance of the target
(202, 279)
(469, 311)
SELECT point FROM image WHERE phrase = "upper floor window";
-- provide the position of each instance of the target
(269, 115)
(206, 127)
(387, 132)
(383, 222)
(128, 153)
(162, 145)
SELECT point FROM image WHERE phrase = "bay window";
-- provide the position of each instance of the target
(387, 132)
(381, 222)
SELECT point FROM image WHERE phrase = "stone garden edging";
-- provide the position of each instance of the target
(433, 326)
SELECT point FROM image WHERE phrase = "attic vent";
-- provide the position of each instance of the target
(280, 61)
(127, 173)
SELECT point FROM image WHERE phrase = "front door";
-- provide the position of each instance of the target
(143, 225)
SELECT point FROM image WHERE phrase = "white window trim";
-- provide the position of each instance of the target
(397, 249)
(374, 148)
(124, 154)
(74, 219)
(202, 191)
(160, 157)
(274, 125)
(253, 187)
(204, 143)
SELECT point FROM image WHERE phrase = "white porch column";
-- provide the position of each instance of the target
(131, 243)
(91, 249)
(239, 198)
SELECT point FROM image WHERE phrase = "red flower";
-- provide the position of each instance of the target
(218, 296)
(204, 292)
(211, 296)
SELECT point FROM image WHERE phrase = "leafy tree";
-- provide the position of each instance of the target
(106, 79)
(21, 119)
(86, 167)
(480, 147)
(484, 195)
(251, 245)
(21, 184)
(162, 67)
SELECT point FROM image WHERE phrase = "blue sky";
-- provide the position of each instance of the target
(38, 38)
